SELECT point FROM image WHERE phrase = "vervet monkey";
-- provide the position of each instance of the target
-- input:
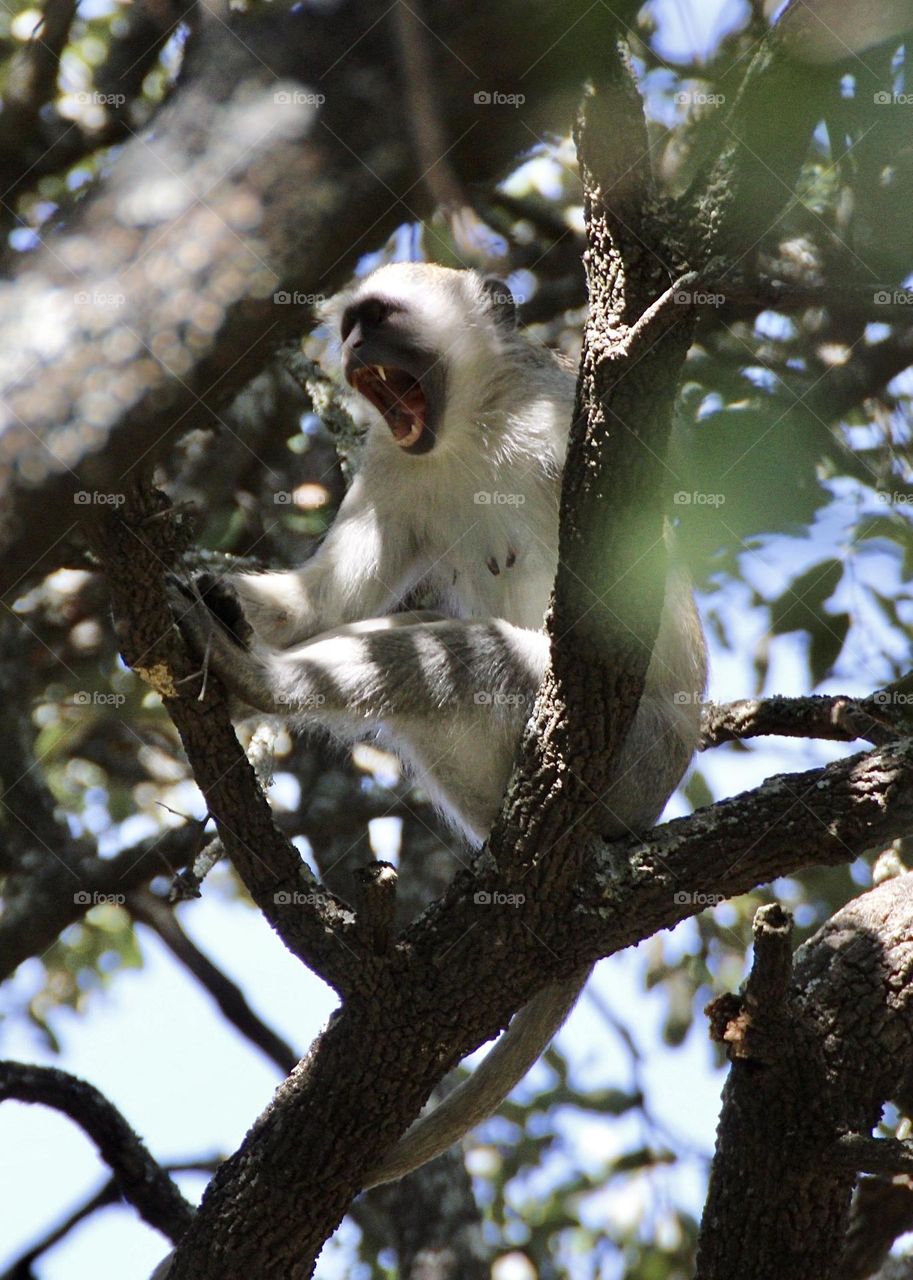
(456, 497)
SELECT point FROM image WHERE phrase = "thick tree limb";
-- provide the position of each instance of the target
(811, 1063)
(863, 1154)
(613, 495)
(140, 1179)
(825, 816)
(726, 217)
(432, 1219)
(136, 547)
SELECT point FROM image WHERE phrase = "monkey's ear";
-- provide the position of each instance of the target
(501, 302)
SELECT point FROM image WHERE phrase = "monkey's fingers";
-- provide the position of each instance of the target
(222, 600)
(242, 672)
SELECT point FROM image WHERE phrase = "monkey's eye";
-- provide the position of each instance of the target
(370, 314)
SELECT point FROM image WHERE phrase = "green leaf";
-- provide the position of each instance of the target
(697, 792)
(801, 604)
(828, 638)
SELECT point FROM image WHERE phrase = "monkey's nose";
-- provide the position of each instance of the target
(362, 319)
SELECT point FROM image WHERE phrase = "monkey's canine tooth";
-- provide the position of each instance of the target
(382, 373)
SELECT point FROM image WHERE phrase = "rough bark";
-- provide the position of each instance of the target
(140, 1179)
(882, 1210)
(815, 1055)
(136, 547)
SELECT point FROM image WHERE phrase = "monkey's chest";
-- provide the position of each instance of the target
(490, 543)
(504, 576)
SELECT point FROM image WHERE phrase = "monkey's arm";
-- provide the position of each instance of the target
(363, 568)
(449, 697)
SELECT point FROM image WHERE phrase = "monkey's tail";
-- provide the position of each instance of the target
(521, 1045)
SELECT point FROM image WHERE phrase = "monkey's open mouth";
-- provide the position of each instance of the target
(397, 396)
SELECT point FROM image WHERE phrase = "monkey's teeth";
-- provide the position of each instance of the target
(381, 372)
(405, 441)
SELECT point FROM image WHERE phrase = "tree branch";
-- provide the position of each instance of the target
(613, 495)
(881, 1211)
(810, 1065)
(109, 1193)
(146, 906)
(136, 547)
(61, 890)
(864, 1154)
(140, 1179)
(835, 718)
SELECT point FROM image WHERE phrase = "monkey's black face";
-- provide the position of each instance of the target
(402, 379)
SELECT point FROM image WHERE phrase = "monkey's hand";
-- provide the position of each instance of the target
(221, 598)
(212, 622)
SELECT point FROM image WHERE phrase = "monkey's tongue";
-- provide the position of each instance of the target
(399, 398)
(407, 417)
